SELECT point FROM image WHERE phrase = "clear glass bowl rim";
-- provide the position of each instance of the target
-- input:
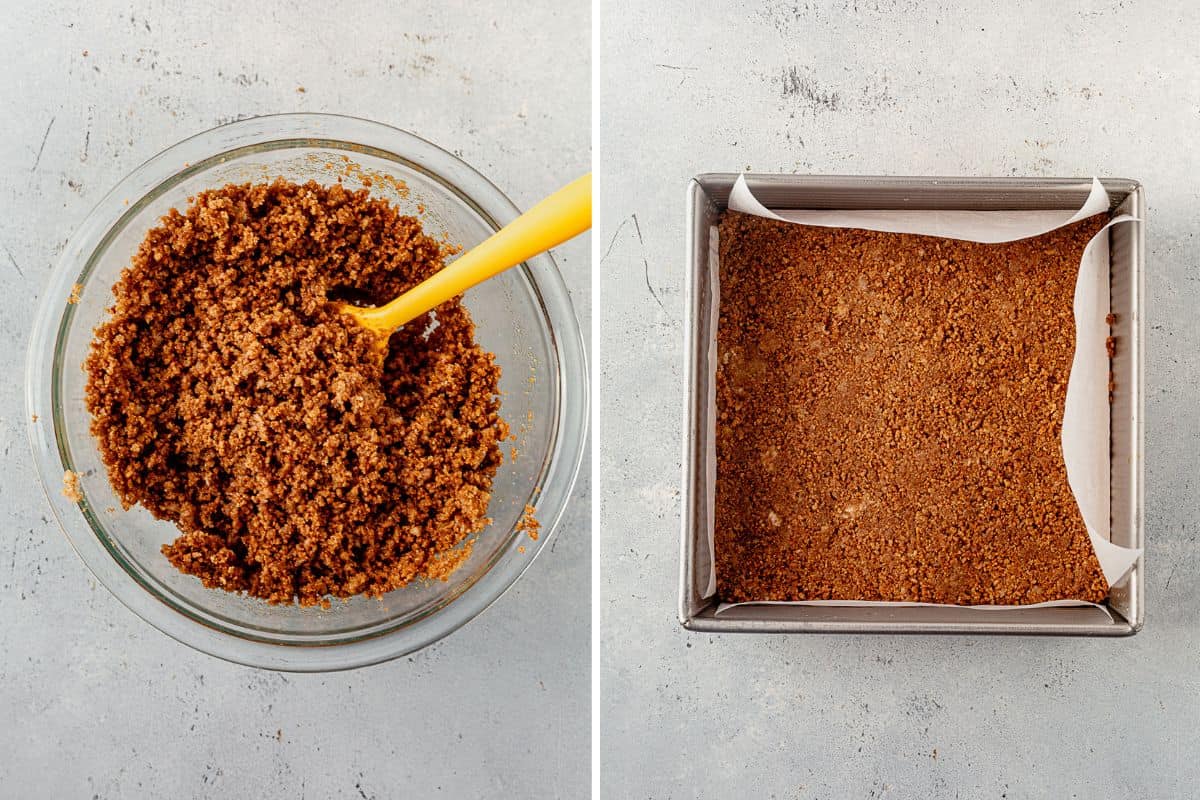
(268, 132)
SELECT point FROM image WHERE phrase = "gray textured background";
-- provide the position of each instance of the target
(894, 88)
(93, 702)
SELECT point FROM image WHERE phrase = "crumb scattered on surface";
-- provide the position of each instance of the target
(1111, 319)
(445, 563)
(521, 549)
(889, 417)
(529, 524)
(34, 417)
(230, 396)
(368, 178)
(70, 489)
(301, 89)
(75, 296)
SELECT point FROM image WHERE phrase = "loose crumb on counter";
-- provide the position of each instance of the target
(889, 417)
(229, 396)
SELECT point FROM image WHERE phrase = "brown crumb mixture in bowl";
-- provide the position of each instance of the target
(229, 396)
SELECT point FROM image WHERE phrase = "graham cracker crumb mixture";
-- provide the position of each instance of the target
(889, 417)
(230, 396)
(76, 294)
(368, 177)
(71, 489)
(529, 524)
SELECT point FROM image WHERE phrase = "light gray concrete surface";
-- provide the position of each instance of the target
(93, 702)
(886, 87)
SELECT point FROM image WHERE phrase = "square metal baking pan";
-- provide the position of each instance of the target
(707, 196)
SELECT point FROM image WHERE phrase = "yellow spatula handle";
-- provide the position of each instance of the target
(561, 216)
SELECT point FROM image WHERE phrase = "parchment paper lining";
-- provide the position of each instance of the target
(1085, 431)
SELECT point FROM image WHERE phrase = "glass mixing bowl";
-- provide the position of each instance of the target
(523, 315)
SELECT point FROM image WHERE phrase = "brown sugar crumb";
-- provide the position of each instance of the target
(529, 523)
(71, 489)
(368, 178)
(76, 291)
(1110, 344)
(1111, 319)
(445, 564)
(889, 417)
(521, 549)
(230, 397)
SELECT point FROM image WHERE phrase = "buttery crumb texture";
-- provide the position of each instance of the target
(889, 417)
(71, 489)
(230, 397)
(529, 524)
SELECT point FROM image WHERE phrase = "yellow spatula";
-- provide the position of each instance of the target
(561, 216)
